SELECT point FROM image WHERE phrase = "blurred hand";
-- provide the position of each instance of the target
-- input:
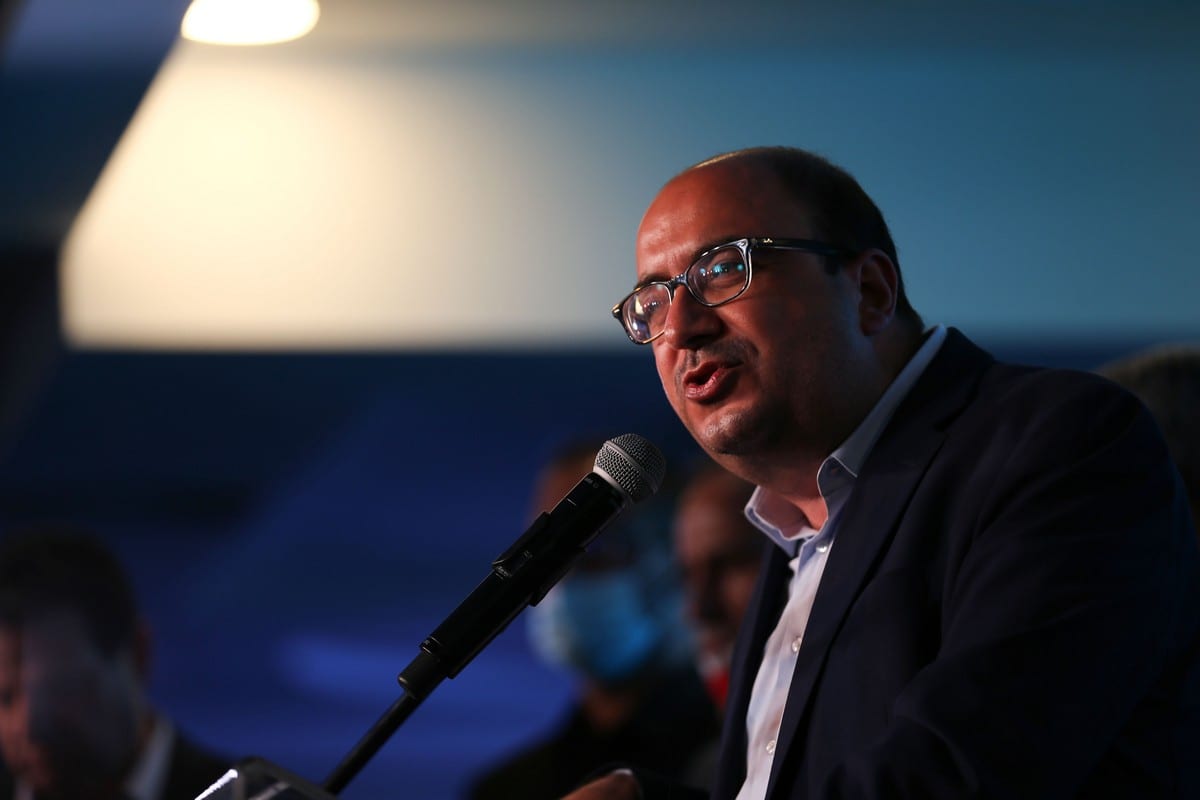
(619, 785)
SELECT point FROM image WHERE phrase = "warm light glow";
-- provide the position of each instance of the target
(257, 201)
(249, 21)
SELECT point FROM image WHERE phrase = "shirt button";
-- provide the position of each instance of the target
(796, 644)
(771, 747)
(821, 548)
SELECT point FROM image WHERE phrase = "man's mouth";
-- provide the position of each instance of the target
(708, 381)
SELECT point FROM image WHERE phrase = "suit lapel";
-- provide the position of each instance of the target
(882, 491)
(769, 599)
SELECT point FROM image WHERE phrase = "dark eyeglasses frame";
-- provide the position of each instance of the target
(744, 245)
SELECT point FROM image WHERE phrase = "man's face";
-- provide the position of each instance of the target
(69, 715)
(719, 552)
(778, 370)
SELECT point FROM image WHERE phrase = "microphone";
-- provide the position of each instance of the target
(628, 469)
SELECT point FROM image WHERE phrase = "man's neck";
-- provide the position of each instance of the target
(793, 475)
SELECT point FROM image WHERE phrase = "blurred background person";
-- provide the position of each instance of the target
(1167, 380)
(719, 553)
(616, 622)
(75, 722)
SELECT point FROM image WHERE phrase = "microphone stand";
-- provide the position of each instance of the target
(487, 611)
(370, 743)
(627, 468)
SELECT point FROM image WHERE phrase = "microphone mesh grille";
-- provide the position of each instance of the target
(636, 465)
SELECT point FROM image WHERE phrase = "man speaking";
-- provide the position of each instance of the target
(983, 580)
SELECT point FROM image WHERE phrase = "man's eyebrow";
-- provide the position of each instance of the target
(695, 254)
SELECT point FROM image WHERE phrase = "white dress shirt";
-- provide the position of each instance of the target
(809, 548)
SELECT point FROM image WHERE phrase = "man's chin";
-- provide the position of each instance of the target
(726, 431)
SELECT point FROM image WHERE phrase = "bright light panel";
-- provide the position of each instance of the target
(246, 22)
(257, 202)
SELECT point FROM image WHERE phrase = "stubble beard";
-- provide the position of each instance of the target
(747, 433)
(755, 441)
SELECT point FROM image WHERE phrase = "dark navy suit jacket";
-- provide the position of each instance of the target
(1011, 608)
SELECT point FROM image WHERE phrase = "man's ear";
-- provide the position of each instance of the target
(878, 285)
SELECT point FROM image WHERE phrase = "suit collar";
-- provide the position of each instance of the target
(768, 510)
(770, 595)
(889, 476)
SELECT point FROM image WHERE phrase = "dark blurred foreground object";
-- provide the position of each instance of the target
(1167, 380)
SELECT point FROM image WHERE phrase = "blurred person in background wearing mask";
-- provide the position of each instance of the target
(1167, 380)
(75, 723)
(616, 623)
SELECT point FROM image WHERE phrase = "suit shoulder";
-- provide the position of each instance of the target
(1072, 400)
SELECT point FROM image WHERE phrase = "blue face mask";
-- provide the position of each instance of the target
(597, 623)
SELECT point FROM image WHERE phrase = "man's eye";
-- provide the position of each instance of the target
(722, 270)
(649, 306)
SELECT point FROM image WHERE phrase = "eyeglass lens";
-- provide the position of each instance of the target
(715, 278)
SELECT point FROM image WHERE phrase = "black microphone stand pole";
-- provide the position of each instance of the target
(370, 743)
(487, 611)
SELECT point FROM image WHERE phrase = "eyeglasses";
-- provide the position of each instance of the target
(719, 275)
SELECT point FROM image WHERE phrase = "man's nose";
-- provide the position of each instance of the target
(689, 322)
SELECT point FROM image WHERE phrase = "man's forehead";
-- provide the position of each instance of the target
(711, 205)
(712, 186)
(704, 194)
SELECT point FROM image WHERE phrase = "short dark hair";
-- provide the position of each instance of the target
(48, 569)
(841, 212)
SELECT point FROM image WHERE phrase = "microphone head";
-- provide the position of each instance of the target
(633, 465)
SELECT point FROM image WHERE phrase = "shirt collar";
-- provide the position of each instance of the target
(785, 524)
(149, 774)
